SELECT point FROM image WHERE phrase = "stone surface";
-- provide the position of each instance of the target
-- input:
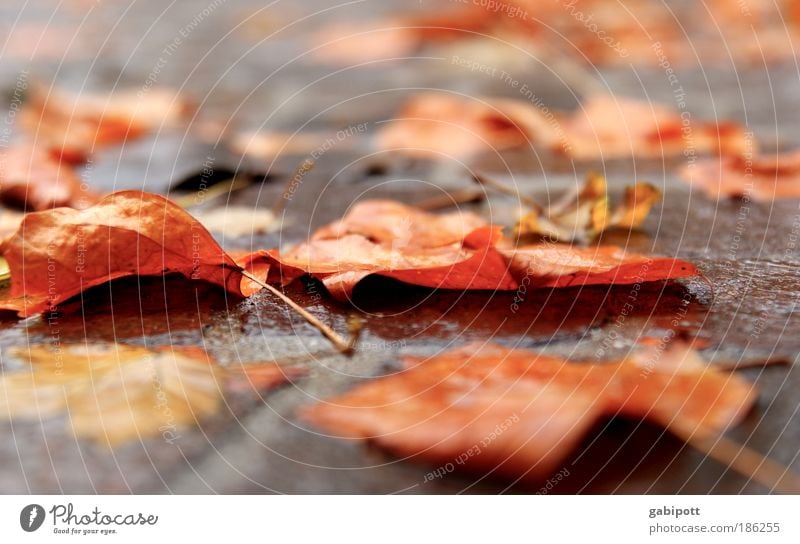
(745, 308)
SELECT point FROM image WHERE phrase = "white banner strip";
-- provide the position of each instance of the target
(400, 519)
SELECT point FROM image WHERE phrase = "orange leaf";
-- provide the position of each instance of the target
(607, 127)
(440, 251)
(32, 179)
(72, 127)
(59, 253)
(489, 407)
(761, 178)
(453, 126)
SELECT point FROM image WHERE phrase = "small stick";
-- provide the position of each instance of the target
(462, 196)
(742, 459)
(342, 345)
(236, 183)
(503, 188)
(291, 185)
(753, 363)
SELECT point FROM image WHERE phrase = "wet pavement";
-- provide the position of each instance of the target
(744, 307)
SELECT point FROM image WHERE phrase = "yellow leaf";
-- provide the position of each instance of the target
(111, 393)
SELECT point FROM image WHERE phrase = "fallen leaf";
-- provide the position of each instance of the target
(442, 252)
(113, 393)
(30, 178)
(607, 127)
(456, 126)
(762, 178)
(487, 407)
(60, 253)
(396, 224)
(582, 215)
(345, 44)
(72, 127)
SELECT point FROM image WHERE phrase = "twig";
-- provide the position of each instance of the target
(344, 346)
(236, 183)
(742, 459)
(754, 363)
(462, 196)
(503, 188)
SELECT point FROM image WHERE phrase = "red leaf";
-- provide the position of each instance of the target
(58, 254)
(439, 251)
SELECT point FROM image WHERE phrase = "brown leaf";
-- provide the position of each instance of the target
(489, 407)
(58, 254)
(31, 178)
(761, 178)
(584, 214)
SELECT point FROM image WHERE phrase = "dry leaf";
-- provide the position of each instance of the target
(582, 215)
(60, 253)
(31, 178)
(112, 393)
(74, 126)
(345, 44)
(608, 127)
(487, 407)
(762, 178)
(395, 224)
(455, 126)
(419, 248)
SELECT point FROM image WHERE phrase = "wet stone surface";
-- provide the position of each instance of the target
(744, 307)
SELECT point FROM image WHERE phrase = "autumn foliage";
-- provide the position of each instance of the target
(59, 253)
(522, 413)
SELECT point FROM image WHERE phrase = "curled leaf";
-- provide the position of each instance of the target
(441, 252)
(583, 215)
(59, 253)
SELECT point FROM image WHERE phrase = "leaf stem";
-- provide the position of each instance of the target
(342, 345)
(454, 198)
(503, 188)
